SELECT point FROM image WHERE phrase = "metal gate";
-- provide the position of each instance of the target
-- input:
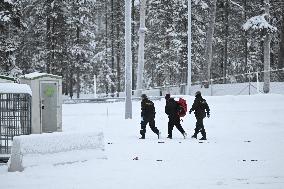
(15, 119)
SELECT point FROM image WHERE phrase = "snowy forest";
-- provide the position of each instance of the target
(81, 39)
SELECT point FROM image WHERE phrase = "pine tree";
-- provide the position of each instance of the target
(11, 27)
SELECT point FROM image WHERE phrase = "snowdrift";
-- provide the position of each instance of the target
(55, 149)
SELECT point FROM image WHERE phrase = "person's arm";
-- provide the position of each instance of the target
(207, 109)
(154, 110)
(143, 108)
(193, 108)
(167, 109)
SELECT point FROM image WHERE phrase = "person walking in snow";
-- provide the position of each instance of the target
(172, 109)
(147, 116)
(199, 106)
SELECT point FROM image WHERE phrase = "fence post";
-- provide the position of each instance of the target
(257, 83)
(249, 82)
(95, 86)
(211, 86)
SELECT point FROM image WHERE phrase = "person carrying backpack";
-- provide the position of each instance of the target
(147, 116)
(199, 106)
(172, 109)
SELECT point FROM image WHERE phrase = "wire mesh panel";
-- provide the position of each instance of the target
(15, 119)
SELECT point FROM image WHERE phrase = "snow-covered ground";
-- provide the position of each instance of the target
(244, 149)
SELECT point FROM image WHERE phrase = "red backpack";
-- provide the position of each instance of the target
(182, 103)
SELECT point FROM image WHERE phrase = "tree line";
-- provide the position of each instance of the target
(81, 39)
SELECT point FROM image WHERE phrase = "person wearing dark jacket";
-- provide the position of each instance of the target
(147, 116)
(172, 109)
(199, 106)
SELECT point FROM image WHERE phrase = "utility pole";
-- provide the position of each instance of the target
(128, 61)
(266, 49)
(189, 48)
(142, 31)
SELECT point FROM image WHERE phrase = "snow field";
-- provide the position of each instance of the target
(244, 149)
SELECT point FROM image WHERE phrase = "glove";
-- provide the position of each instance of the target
(208, 115)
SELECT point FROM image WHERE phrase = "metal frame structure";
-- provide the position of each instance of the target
(15, 119)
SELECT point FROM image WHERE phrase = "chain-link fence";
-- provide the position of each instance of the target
(243, 84)
(238, 84)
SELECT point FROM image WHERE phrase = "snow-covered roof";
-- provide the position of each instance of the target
(36, 75)
(15, 88)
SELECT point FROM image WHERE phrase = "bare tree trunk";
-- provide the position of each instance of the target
(106, 42)
(246, 53)
(209, 44)
(48, 37)
(281, 50)
(78, 85)
(71, 83)
(78, 82)
(226, 41)
(112, 45)
(52, 62)
(133, 47)
(266, 48)
(142, 31)
(118, 53)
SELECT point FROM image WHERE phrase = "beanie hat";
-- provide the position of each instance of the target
(168, 96)
(143, 96)
(198, 93)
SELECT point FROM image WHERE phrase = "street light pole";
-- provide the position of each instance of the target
(128, 61)
(189, 48)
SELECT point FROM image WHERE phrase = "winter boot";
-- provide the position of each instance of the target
(203, 136)
(194, 136)
(159, 134)
(142, 133)
(184, 135)
(142, 137)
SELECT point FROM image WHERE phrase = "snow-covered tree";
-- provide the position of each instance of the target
(11, 27)
(81, 38)
(262, 23)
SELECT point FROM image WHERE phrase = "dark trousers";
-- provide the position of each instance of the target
(174, 121)
(151, 122)
(199, 127)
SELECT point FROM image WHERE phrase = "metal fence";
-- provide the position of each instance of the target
(237, 84)
(15, 119)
